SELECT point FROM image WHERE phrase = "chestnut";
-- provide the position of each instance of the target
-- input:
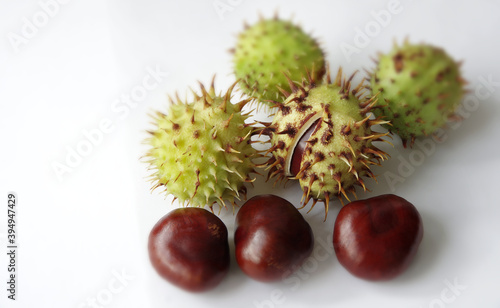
(189, 248)
(377, 238)
(272, 239)
(298, 151)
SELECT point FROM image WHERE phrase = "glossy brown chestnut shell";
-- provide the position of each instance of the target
(272, 239)
(189, 248)
(298, 152)
(377, 238)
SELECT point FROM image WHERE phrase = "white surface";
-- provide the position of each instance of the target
(77, 232)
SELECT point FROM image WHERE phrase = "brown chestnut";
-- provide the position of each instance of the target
(189, 248)
(298, 151)
(377, 238)
(272, 239)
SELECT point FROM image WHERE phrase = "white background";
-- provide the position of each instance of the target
(79, 231)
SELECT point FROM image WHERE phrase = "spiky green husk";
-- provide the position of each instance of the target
(419, 88)
(200, 150)
(339, 152)
(270, 48)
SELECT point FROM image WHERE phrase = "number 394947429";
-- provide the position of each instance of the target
(11, 219)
